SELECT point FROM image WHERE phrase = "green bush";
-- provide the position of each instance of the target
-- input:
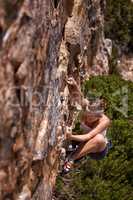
(117, 94)
(119, 21)
(112, 177)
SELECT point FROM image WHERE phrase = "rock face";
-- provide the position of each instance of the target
(125, 67)
(48, 42)
(84, 35)
(31, 110)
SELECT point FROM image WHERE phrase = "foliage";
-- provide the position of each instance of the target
(119, 22)
(116, 93)
(112, 177)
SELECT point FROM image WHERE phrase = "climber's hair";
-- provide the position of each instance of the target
(90, 111)
(84, 114)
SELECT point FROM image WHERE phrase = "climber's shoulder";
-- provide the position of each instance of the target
(105, 118)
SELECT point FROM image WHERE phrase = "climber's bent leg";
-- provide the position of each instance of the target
(95, 145)
(96, 148)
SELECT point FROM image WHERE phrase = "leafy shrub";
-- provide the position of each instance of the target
(117, 94)
(112, 177)
(119, 22)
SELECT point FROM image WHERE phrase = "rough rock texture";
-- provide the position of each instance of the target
(30, 101)
(84, 35)
(46, 43)
(125, 67)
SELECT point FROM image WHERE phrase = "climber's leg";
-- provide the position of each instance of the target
(96, 148)
(95, 145)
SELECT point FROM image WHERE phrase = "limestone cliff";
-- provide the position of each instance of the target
(125, 66)
(84, 36)
(47, 42)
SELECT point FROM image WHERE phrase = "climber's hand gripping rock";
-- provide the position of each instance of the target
(68, 132)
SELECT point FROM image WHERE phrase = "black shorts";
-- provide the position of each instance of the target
(99, 155)
(102, 154)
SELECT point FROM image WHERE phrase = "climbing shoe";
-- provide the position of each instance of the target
(68, 166)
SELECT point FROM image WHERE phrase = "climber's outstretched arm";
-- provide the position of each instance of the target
(103, 124)
(73, 87)
(72, 83)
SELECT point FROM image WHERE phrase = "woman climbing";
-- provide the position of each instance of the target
(93, 141)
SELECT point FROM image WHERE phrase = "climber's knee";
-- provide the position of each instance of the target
(100, 142)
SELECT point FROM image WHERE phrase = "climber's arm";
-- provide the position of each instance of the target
(77, 90)
(103, 124)
(72, 83)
